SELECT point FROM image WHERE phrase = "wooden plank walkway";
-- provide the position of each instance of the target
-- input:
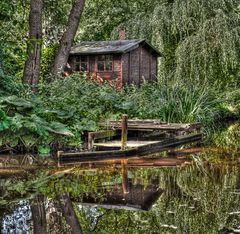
(130, 144)
(152, 125)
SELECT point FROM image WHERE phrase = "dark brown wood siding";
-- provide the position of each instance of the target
(145, 64)
(139, 64)
(117, 63)
(91, 63)
(125, 68)
(134, 69)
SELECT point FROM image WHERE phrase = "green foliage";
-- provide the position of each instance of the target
(233, 101)
(101, 17)
(44, 150)
(9, 85)
(24, 122)
(81, 104)
(175, 102)
(48, 54)
(13, 31)
(23, 118)
(228, 137)
(55, 16)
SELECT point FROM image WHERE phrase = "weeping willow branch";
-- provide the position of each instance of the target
(200, 40)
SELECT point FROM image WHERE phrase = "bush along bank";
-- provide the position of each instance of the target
(60, 112)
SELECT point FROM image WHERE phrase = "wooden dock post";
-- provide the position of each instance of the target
(92, 136)
(90, 141)
(58, 158)
(124, 132)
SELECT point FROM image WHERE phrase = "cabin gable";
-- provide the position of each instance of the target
(139, 65)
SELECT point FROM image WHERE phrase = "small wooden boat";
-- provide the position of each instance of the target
(155, 137)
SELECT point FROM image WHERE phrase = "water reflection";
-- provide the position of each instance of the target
(227, 137)
(18, 221)
(127, 194)
(189, 192)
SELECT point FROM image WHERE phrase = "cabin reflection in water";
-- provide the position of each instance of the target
(127, 194)
(138, 197)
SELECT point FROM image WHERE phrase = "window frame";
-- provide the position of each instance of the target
(104, 61)
(79, 62)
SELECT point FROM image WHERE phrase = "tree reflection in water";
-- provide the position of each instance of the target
(202, 197)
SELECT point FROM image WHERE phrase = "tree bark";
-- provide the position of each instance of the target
(39, 215)
(32, 65)
(68, 36)
(69, 213)
(55, 221)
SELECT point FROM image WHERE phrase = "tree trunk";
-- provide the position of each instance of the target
(68, 36)
(69, 213)
(55, 221)
(39, 215)
(32, 65)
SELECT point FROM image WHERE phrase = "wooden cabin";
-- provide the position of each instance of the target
(118, 62)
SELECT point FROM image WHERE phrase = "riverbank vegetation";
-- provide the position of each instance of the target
(70, 106)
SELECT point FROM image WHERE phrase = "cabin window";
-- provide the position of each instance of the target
(81, 63)
(105, 63)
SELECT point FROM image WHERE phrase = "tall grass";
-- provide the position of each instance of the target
(175, 102)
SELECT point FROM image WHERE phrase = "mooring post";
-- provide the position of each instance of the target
(90, 141)
(124, 132)
(58, 158)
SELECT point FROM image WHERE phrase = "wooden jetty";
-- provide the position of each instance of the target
(151, 125)
(154, 137)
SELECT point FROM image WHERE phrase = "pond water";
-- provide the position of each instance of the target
(193, 190)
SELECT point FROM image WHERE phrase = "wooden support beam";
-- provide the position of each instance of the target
(92, 136)
(58, 157)
(124, 132)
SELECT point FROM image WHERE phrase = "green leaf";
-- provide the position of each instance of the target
(63, 114)
(5, 124)
(44, 149)
(60, 128)
(16, 101)
(28, 140)
(14, 141)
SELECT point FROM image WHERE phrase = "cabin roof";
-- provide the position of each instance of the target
(109, 47)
